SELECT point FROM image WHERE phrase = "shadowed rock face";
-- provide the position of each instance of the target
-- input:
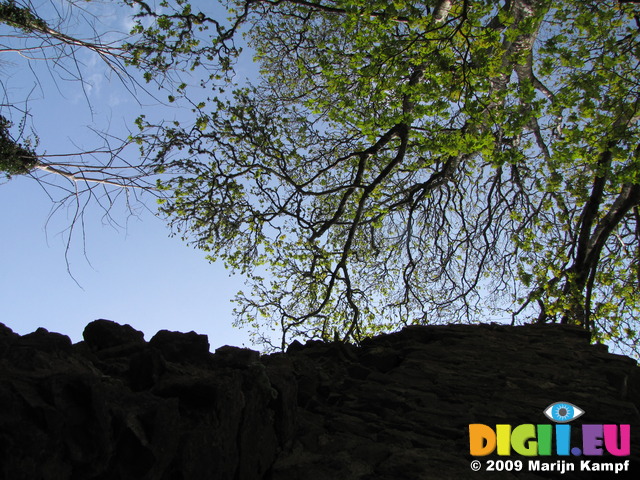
(396, 407)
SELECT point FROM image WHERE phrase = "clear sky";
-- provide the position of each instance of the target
(133, 274)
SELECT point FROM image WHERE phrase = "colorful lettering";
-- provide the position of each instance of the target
(531, 440)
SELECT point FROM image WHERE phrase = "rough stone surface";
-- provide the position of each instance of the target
(396, 407)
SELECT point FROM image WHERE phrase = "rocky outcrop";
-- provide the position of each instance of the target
(398, 406)
(116, 407)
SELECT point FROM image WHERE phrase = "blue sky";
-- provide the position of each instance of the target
(134, 273)
(137, 275)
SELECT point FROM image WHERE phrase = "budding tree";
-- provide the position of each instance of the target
(408, 162)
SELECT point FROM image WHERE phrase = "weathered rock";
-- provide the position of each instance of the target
(46, 341)
(236, 357)
(398, 406)
(116, 407)
(181, 347)
(402, 409)
(145, 369)
(104, 334)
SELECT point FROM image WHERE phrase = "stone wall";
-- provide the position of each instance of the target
(396, 407)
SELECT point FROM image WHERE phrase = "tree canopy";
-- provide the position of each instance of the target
(415, 161)
(407, 161)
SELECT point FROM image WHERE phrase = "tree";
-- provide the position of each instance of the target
(62, 35)
(411, 161)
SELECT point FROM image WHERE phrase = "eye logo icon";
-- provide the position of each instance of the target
(563, 412)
